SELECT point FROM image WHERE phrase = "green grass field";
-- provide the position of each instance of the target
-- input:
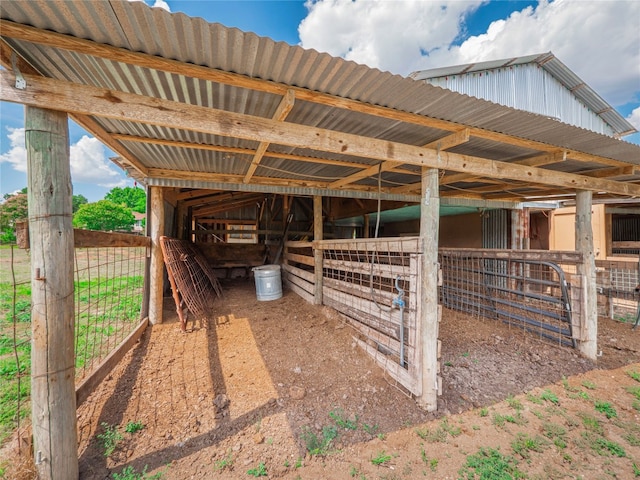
(108, 299)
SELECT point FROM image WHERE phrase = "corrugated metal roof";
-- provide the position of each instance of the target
(551, 64)
(139, 28)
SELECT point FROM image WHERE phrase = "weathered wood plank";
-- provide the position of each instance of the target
(298, 272)
(404, 245)
(300, 292)
(53, 399)
(303, 259)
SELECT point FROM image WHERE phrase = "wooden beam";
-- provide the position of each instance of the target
(85, 99)
(156, 272)
(285, 106)
(448, 141)
(53, 396)
(317, 253)
(428, 311)
(588, 344)
(116, 54)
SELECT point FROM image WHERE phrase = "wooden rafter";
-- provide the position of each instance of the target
(88, 100)
(285, 106)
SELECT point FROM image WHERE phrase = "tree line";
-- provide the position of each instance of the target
(113, 213)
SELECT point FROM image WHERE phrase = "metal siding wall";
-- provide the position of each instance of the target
(526, 87)
(495, 229)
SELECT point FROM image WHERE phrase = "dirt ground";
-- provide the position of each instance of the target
(270, 376)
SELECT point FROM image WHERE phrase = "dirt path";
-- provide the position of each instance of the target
(272, 377)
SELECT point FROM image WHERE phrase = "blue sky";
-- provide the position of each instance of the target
(598, 40)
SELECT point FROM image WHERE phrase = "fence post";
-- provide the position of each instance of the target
(156, 271)
(317, 253)
(53, 396)
(588, 346)
(429, 312)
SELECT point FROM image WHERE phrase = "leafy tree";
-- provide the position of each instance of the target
(134, 198)
(12, 210)
(103, 215)
(77, 201)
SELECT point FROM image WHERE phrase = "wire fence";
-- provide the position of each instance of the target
(108, 287)
(525, 289)
(617, 281)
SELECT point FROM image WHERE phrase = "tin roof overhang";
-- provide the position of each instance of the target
(189, 104)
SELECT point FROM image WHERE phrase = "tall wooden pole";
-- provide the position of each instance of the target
(317, 254)
(584, 243)
(429, 311)
(156, 270)
(53, 396)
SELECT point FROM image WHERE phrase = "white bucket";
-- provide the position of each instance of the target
(268, 282)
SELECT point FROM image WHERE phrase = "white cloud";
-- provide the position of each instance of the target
(634, 118)
(17, 154)
(157, 3)
(89, 162)
(596, 39)
(389, 35)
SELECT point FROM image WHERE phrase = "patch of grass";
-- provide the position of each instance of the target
(632, 439)
(606, 408)
(556, 433)
(514, 402)
(110, 438)
(534, 399)
(450, 429)
(635, 391)
(633, 374)
(636, 470)
(342, 420)
(500, 420)
(548, 396)
(484, 412)
(636, 405)
(381, 458)
(524, 443)
(439, 434)
(259, 471)
(354, 472)
(589, 384)
(581, 394)
(606, 447)
(129, 473)
(225, 463)
(133, 427)
(591, 424)
(370, 429)
(490, 464)
(433, 464)
(319, 445)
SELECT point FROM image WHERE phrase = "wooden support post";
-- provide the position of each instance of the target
(156, 273)
(584, 243)
(317, 253)
(429, 311)
(519, 229)
(53, 395)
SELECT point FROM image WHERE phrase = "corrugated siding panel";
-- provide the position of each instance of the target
(526, 87)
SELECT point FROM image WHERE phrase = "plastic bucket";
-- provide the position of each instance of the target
(268, 282)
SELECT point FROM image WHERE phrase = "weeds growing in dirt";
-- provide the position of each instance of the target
(556, 433)
(381, 458)
(524, 443)
(606, 408)
(549, 396)
(514, 402)
(591, 424)
(534, 399)
(110, 439)
(636, 470)
(319, 445)
(489, 463)
(589, 384)
(370, 429)
(259, 471)
(342, 420)
(602, 446)
(633, 374)
(225, 463)
(635, 391)
(129, 473)
(133, 427)
(484, 412)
